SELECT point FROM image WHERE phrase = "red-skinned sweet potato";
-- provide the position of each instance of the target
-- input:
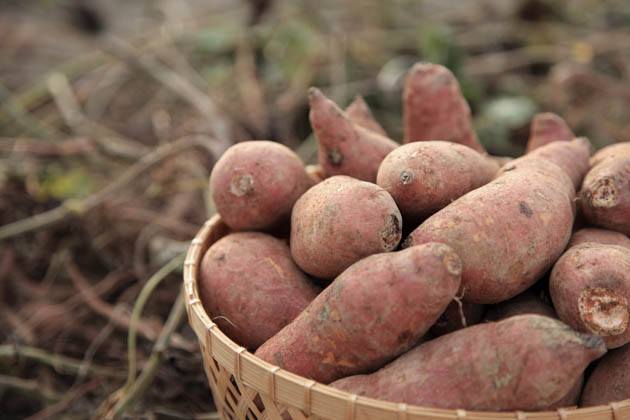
(546, 128)
(507, 232)
(375, 310)
(339, 221)
(435, 109)
(610, 381)
(525, 303)
(345, 148)
(613, 150)
(359, 112)
(605, 194)
(599, 236)
(590, 289)
(526, 362)
(255, 184)
(424, 177)
(251, 287)
(572, 397)
(571, 156)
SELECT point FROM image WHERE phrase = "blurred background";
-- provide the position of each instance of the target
(112, 113)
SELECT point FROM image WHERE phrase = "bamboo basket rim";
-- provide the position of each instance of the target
(314, 398)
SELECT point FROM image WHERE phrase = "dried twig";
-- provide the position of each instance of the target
(115, 314)
(172, 80)
(29, 386)
(120, 401)
(80, 206)
(110, 141)
(138, 307)
(62, 364)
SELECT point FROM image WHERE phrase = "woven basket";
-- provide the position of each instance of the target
(245, 387)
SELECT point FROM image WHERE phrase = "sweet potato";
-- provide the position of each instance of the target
(339, 221)
(590, 289)
(572, 397)
(547, 127)
(610, 381)
(571, 156)
(435, 109)
(613, 150)
(255, 184)
(605, 194)
(424, 177)
(251, 287)
(345, 148)
(501, 160)
(599, 236)
(374, 311)
(507, 232)
(526, 362)
(457, 316)
(359, 112)
(525, 303)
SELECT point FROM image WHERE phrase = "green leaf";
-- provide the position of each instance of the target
(62, 183)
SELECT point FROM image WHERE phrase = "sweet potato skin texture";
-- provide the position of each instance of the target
(605, 194)
(375, 310)
(345, 148)
(507, 232)
(255, 184)
(339, 221)
(424, 177)
(251, 287)
(599, 236)
(451, 319)
(546, 128)
(571, 156)
(610, 381)
(613, 150)
(359, 112)
(572, 397)
(526, 362)
(435, 109)
(525, 303)
(590, 289)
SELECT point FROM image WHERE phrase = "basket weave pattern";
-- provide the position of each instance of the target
(245, 387)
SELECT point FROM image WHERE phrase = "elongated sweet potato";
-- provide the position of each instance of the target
(507, 232)
(599, 236)
(375, 310)
(613, 150)
(571, 156)
(525, 303)
(605, 194)
(546, 128)
(526, 362)
(435, 109)
(251, 287)
(424, 177)
(610, 381)
(359, 112)
(345, 148)
(339, 221)
(255, 184)
(590, 289)
(458, 315)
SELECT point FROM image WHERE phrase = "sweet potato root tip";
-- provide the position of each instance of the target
(603, 311)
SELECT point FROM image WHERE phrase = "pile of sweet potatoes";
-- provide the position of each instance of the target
(429, 272)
